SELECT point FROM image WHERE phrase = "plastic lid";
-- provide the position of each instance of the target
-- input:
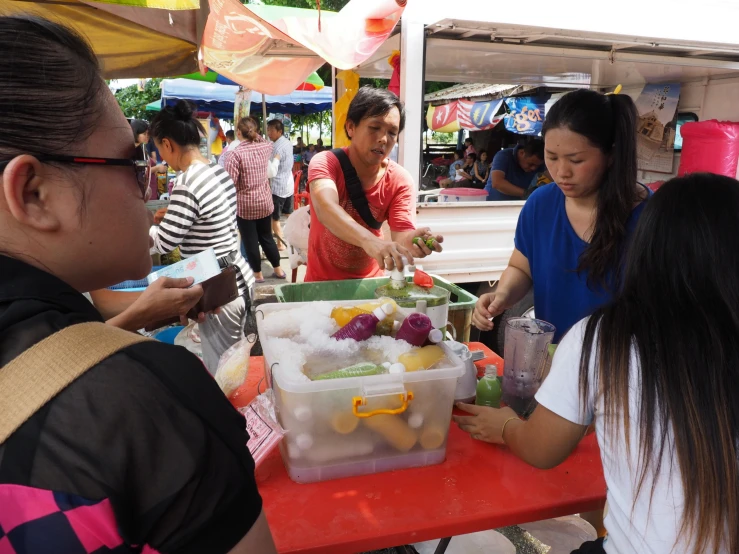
(303, 413)
(415, 421)
(304, 441)
(435, 335)
(397, 368)
(388, 308)
(491, 369)
(462, 191)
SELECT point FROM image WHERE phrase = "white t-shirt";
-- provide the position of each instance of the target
(632, 527)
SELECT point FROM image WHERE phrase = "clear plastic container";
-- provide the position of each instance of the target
(361, 425)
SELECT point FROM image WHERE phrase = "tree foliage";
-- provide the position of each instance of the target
(133, 101)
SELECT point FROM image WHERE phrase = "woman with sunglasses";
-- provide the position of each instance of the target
(142, 450)
(201, 215)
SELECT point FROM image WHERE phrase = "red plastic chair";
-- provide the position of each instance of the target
(299, 197)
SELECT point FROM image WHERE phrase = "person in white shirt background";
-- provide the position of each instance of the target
(657, 371)
(283, 188)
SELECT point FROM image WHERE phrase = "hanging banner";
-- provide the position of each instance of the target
(478, 116)
(655, 129)
(160, 4)
(242, 105)
(273, 49)
(443, 119)
(526, 116)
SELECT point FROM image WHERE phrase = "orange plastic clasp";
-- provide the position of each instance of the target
(358, 401)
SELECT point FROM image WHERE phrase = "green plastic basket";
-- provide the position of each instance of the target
(461, 302)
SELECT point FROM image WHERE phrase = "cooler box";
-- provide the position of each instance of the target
(463, 195)
(461, 302)
(361, 425)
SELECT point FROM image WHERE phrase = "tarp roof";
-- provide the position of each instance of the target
(129, 41)
(220, 98)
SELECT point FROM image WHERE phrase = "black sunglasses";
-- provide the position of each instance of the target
(140, 167)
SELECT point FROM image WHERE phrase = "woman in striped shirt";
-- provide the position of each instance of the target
(201, 215)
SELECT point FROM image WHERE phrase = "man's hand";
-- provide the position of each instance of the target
(423, 243)
(388, 254)
(485, 423)
(488, 306)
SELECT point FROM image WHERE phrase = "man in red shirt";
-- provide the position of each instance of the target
(341, 245)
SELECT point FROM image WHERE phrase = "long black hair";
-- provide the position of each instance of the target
(177, 123)
(679, 308)
(609, 123)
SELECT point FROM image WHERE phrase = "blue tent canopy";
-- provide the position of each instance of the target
(219, 99)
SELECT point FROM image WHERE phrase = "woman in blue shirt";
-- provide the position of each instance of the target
(572, 233)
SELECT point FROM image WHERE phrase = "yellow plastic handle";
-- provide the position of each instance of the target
(358, 401)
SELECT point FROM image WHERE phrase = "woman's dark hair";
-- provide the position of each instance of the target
(230, 135)
(679, 308)
(177, 123)
(468, 140)
(609, 123)
(373, 102)
(139, 126)
(473, 156)
(48, 73)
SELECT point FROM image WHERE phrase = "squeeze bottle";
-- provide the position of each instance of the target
(363, 326)
(488, 388)
(415, 329)
(423, 358)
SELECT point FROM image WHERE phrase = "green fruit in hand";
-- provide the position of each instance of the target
(430, 243)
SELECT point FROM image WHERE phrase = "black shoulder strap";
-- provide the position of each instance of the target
(355, 190)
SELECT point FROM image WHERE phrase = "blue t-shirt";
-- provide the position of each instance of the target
(545, 236)
(507, 162)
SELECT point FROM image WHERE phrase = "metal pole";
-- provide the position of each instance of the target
(264, 114)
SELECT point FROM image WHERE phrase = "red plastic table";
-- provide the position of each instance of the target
(480, 486)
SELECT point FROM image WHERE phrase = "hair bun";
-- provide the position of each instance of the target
(183, 110)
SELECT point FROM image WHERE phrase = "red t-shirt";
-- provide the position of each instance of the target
(332, 259)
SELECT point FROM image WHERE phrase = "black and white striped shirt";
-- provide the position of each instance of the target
(202, 215)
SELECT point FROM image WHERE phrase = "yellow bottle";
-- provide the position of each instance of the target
(344, 422)
(394, 430)
(423, 358)
(371, 306)
(432, 437)
(342, 316)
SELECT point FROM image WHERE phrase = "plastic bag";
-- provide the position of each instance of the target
(711, 146)
(261, 424)
(234, 365)
(272, 167)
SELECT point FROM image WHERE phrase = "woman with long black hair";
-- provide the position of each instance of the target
(571, 234)
(657, 371)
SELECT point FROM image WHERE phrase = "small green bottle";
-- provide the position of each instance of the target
(488, 388)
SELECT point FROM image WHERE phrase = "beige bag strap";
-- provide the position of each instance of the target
(37, 375)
